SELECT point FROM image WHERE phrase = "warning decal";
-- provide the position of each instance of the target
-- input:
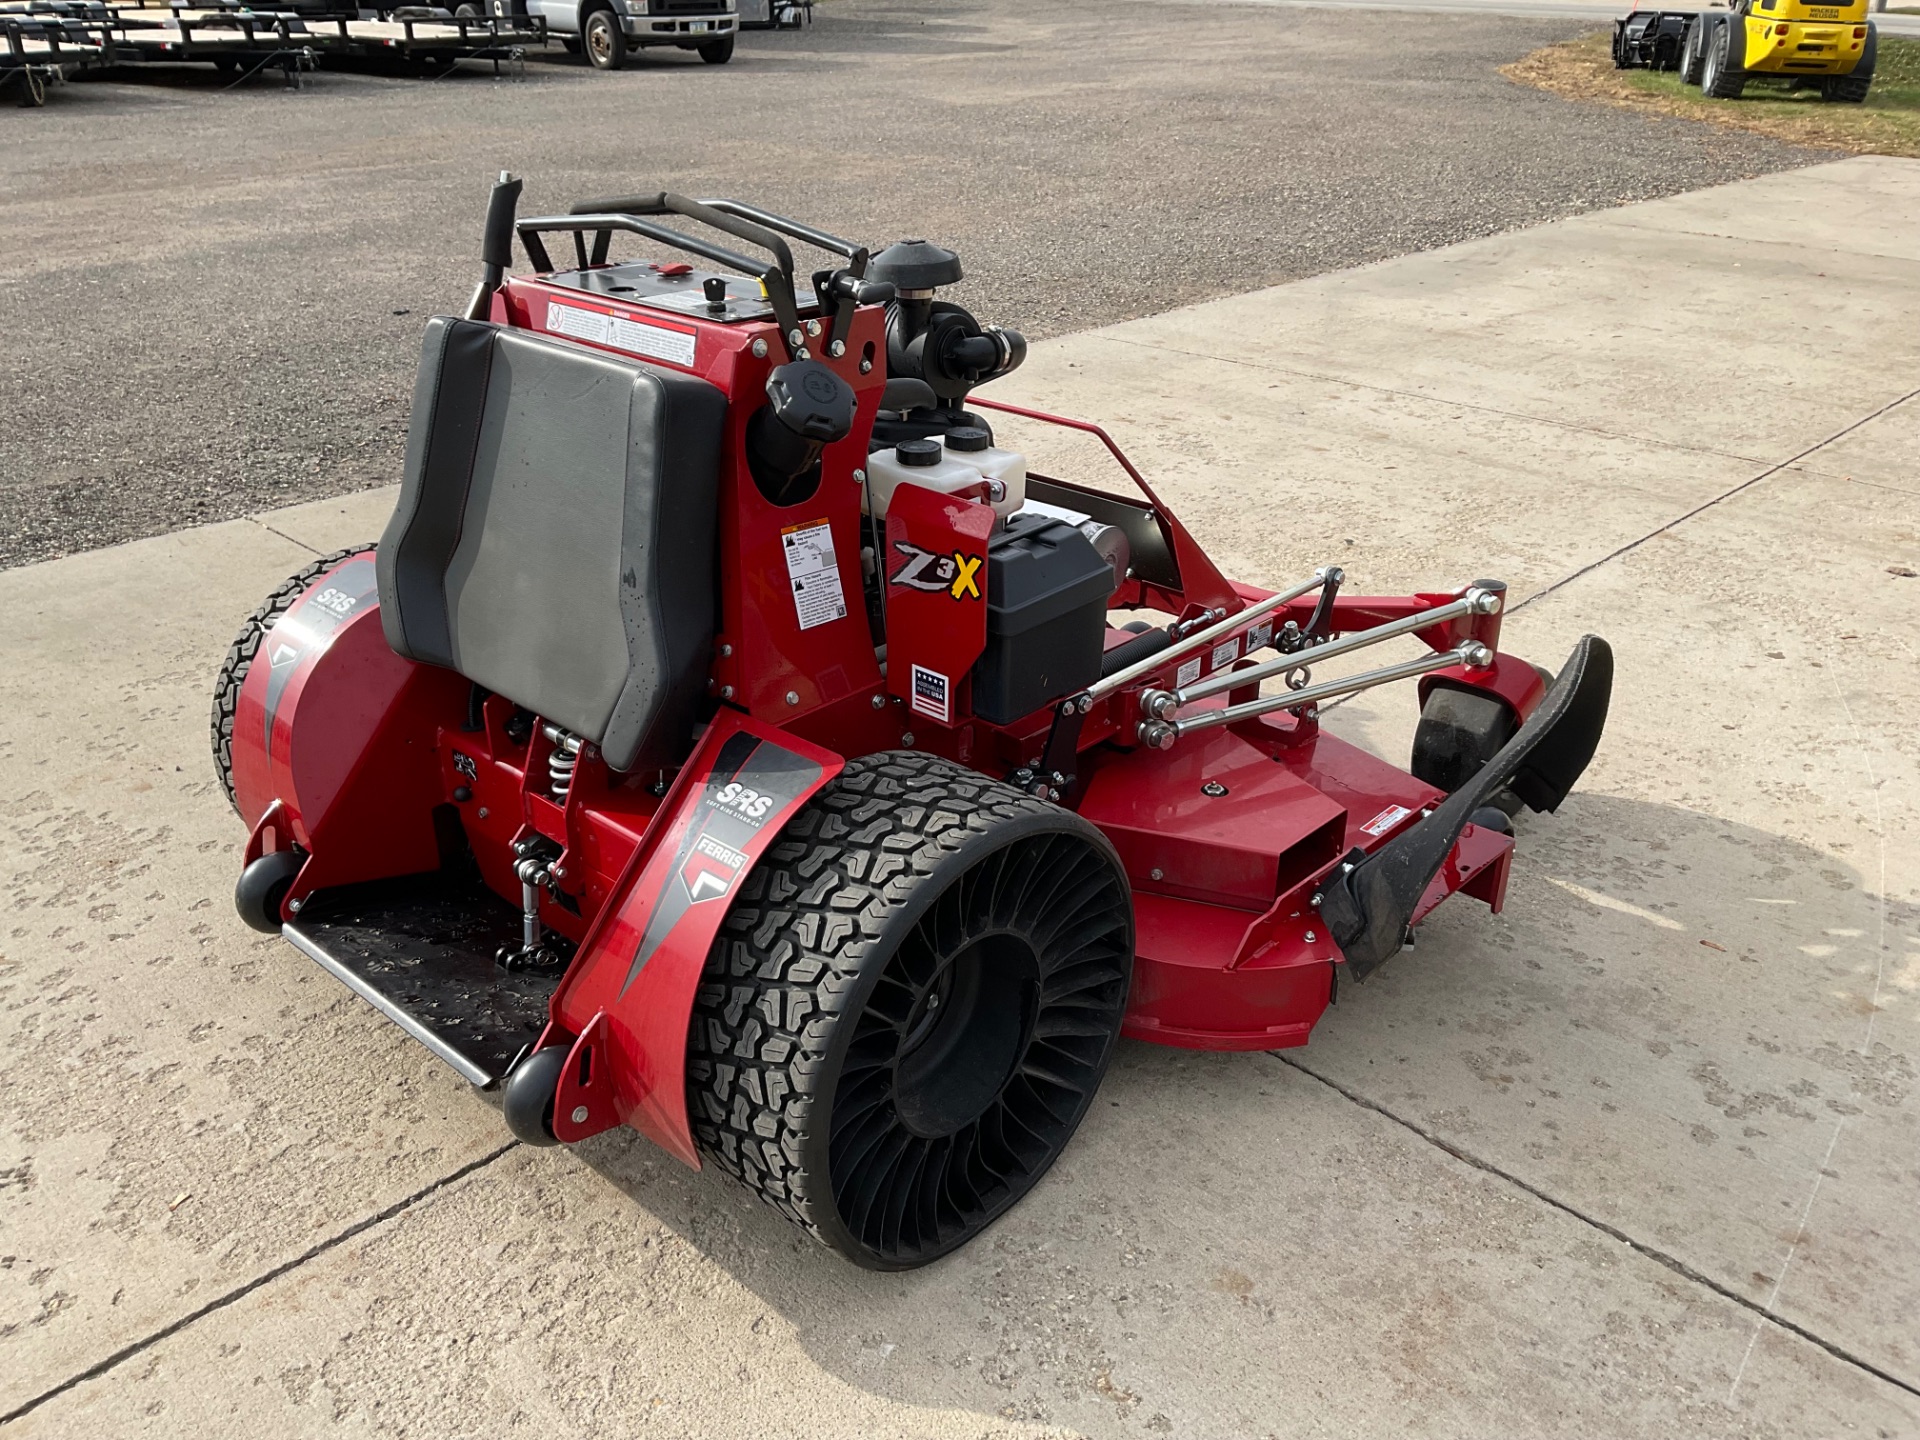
(932, 694)
(656, 342)
(814, 574)
(1386, 820)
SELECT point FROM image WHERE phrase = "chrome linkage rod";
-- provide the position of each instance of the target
(1120, 679)
(1164, 704)
(1160, 734)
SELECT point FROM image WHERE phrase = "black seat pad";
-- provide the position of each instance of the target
(555, 535)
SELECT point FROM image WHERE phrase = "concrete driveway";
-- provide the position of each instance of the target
(1636, 1158)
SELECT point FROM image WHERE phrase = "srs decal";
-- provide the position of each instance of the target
(309, 627)
(752, 780)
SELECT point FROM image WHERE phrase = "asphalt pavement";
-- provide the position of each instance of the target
(215, 296)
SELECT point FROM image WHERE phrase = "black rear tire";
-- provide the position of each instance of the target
(1851, 89)
(246, 645)
(1693, 52)
(910, 1006)
(604, 41)
(717, 52)
(1721, 77)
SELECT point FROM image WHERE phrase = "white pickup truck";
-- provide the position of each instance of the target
(607, 29)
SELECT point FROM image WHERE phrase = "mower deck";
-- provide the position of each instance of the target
(421, 950)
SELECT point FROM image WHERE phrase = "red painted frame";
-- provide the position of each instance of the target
(346, 751)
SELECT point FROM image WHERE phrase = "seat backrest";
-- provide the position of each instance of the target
(555, 535)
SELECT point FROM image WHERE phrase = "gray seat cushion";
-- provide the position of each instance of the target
(554, 540)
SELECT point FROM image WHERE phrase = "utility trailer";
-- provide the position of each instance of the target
(43, 50)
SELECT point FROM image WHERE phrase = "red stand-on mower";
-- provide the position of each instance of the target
(728, 739)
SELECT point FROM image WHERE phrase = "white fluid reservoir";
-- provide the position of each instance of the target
(974, 446)
(918, 462)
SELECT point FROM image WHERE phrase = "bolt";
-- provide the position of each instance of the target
(580, 1113)
(726, 650)
(759, 349)
(1311, 937)
(859, 477)
(1059, 780)
(1156, 873)
(813, 327)
(879, 702)
(1213, 788)
(483, 812)
(1317, 898)
(933, 1002)
(793, 697)
(296, 906)
(865, 366)
(837, 349)
(906, 740)
(726, 692)
(796, 339)
(1312, 712)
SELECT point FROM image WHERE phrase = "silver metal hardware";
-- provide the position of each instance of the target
(561, 760)
(1471, 603)
(759, 349)
(1467, 652)
(837, 349)
(1124, 677)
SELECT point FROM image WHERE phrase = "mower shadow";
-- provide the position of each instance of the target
(1646, 943)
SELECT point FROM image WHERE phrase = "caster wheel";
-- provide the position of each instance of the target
(263, 886)
(1460, 731)
(527, 1100)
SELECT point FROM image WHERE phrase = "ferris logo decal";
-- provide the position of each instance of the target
(711, 869)
(958, 573)
(737, 799)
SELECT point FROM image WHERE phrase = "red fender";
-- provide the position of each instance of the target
(629, 993)
(1509, 679)
(332, 738)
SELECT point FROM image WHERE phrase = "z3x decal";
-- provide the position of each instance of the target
(957, 573)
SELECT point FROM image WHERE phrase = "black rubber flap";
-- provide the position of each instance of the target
(1369, 907)
(420, 950)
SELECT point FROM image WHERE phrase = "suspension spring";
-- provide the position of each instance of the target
(562, 760)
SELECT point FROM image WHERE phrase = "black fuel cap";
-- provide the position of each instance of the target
(967, 438)
(810, 400)
(918, 453)
(915, 265)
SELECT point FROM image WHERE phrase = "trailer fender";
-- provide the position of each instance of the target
(627, 999)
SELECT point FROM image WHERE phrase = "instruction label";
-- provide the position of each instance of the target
(656, 342)
(814, 574)
(1187, 674)
(1226, 652)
